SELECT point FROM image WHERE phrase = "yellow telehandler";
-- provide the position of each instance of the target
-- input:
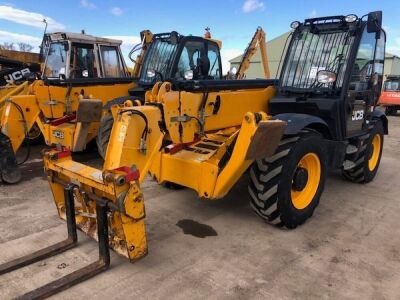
(83, 76)
(205, 134)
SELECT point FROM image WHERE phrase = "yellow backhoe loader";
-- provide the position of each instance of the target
(83, 76)
(204, 134)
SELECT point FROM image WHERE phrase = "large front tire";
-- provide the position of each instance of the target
(285, 188)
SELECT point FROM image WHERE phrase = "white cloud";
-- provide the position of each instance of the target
(11, 37)
(252, 5)
(28, 18)
(116, 11)
(313, 14)
(226, 55)
(128, 42)
(88, 4)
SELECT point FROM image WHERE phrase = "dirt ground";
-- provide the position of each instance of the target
(350, 249)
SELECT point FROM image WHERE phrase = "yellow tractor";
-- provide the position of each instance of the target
(205, 134)
(83, 76)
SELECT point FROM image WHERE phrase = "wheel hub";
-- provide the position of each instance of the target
(300, 179)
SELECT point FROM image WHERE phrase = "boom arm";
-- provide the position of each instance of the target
(258, 41)
(147, 38)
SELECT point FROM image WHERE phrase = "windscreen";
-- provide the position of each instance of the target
(392, 86)
(56, 60)
(158, 59)
(311, 52)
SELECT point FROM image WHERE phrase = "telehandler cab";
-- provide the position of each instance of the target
(205, 134)
(83, 76)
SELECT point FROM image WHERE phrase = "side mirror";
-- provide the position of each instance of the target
(374, 22)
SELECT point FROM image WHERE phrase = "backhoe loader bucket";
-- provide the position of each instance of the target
(79, 275)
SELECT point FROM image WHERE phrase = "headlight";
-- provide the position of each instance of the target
(351, 18)
(188, 75)
(151, 73)
(294, 24)
(324, 76)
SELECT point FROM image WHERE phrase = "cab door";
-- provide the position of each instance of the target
(365, 81)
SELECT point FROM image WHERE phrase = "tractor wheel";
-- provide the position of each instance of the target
(35, 135)
(104, 133)
(285, 188)
(107, 122)
(368, 160)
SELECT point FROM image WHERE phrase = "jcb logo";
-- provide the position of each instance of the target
(17, 75)
(58, 134)
(357, 115)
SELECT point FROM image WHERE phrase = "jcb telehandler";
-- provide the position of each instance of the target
(205, 134)
(83, 77)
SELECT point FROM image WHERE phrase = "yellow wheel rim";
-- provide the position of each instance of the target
(311, 163)
(376, 150)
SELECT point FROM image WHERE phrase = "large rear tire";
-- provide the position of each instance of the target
(107, 122)
(285, 188)
(104, 133)
(368, 159)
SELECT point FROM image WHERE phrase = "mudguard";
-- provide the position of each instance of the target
(377, 114)
(297, 122)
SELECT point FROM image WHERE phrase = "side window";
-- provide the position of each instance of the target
(363, 67)
(213, 56)
(82, 62)
(112, 66)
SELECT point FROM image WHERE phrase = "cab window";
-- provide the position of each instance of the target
(112, 65)
(82, 62)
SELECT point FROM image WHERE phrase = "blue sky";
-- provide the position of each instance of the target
(232, 21)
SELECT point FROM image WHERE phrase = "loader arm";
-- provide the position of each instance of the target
(162, 138)
(258, 41)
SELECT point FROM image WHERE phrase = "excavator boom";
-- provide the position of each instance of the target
(258, 41)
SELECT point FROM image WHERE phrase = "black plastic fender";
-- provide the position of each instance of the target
(297, 122)
(379, 115)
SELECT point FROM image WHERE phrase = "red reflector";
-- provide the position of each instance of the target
(131, 175)
(64, 153)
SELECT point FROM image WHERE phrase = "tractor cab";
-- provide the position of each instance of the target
(81, 56)
(333, 71)
(172, 56)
